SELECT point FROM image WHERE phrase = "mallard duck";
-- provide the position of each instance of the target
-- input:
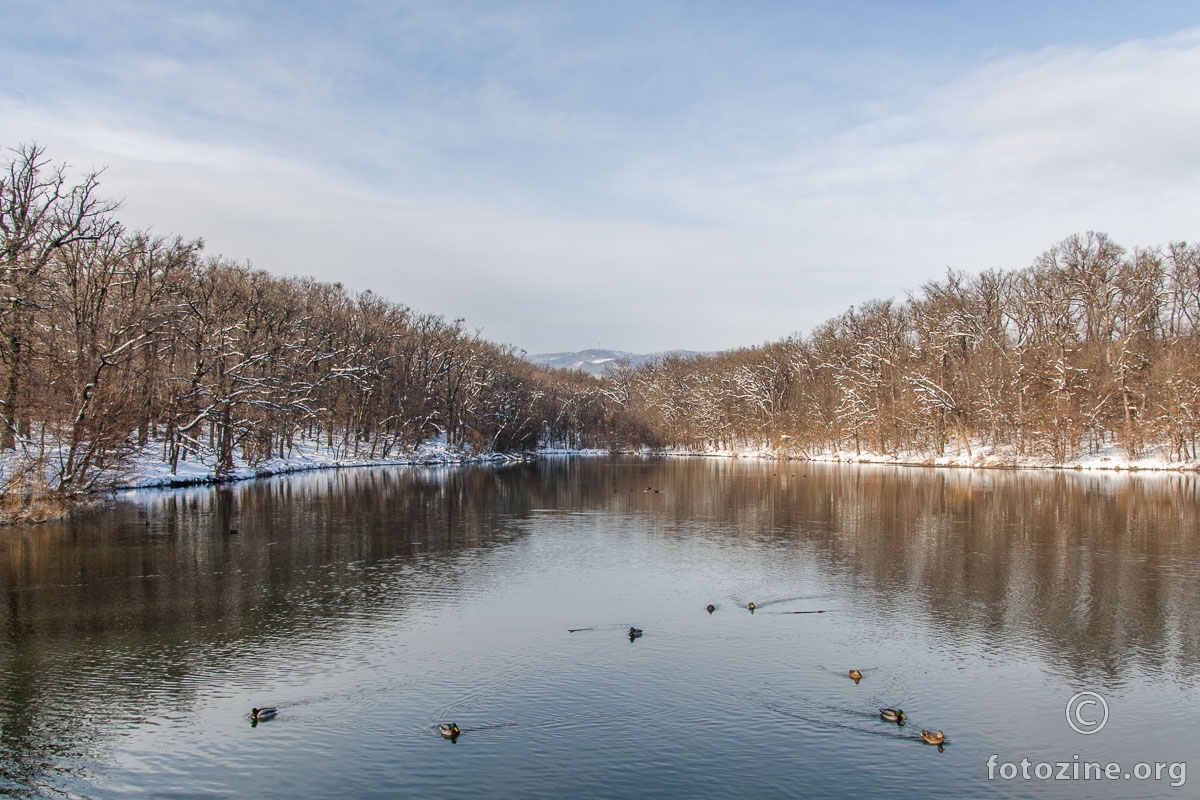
(710, 608)
(449, 730)
(750, 606)
(893, 714)
(930, 737)
(855, 675)
(635, 632)
(266, 712)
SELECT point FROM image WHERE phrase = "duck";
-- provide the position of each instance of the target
(750, 606)
(266, 712)
(449, 730)
(893, 714)
(635, 632)
(710, 608)
(930, 737)
(855, 675)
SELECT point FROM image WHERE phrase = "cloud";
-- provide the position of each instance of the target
(1003, 159)
(560, 191)
(523, 279)
(1091, 122)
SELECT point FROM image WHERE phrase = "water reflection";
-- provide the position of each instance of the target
(114, 611)
(131, 609)
(1096, 568)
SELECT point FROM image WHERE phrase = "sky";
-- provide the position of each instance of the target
(628, 175)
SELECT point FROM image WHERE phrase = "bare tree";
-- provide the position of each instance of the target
(41, 212)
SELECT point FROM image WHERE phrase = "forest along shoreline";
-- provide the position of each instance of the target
(121, 348)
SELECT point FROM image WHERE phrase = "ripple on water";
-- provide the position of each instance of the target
(369, 618)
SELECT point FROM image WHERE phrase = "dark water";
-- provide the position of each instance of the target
(371, 605)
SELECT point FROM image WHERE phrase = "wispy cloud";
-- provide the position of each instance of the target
(981, 169)
(565, 177)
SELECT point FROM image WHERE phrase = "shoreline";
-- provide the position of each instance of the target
(438, 455)
(149, 473)
(1108, 460)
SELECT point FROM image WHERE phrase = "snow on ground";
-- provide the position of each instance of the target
(1108, 458)
(566, 451)
(148, 469)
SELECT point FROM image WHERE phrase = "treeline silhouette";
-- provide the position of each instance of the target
(1090, 347)
(115, 341)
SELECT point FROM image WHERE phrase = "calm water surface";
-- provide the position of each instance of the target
(370, 605)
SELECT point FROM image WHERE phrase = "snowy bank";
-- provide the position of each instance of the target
(147, 469)
(983, 457)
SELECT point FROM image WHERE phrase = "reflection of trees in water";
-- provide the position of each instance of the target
(1096, 570)
(111, 615)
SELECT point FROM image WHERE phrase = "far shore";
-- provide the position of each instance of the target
(148, 472)
(1108, 460)
(156, 475)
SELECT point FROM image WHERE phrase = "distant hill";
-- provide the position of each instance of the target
(597, 362)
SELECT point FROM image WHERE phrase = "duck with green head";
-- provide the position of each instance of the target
(893, 715)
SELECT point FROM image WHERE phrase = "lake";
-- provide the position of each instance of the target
(370, 605)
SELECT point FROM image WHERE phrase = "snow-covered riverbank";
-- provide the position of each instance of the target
(1110, 458)
(148, 470)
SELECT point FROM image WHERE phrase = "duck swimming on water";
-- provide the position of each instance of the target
(449, 730)
(750, 607)
(855, 675)
(266, 712)
(893, 714)
(932, 737)
(710, 608)
(635, 633)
